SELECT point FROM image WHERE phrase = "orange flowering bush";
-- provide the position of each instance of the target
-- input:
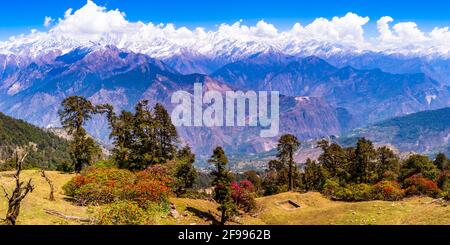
(387, 190)
(150, 185)
(418, 185)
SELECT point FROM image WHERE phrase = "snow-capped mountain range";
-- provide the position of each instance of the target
(93, 26)
(331, 76)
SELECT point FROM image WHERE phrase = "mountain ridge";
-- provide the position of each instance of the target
(424, 132)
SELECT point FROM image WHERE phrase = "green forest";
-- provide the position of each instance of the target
(47, 150)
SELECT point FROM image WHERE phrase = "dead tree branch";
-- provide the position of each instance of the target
(19, 193)
(50, 183)
(68, 217)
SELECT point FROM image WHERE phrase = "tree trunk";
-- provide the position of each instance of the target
(12, 214)
(18, 194)
(290, 171)
(51, 196)
(223, 218)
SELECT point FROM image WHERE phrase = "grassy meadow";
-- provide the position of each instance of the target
(314, 208)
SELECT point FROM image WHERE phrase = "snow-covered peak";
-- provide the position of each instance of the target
(94, 26)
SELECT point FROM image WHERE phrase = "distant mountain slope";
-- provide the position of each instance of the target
(437, 68)
(48, 150)
(319, 99)
(121, 78)
(369, 95)
(426, 131)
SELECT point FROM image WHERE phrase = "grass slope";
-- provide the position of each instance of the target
(32, 207)
(314, 208)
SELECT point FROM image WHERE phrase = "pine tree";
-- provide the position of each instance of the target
(142, 138)
(222, 185)
(75, 113)
(166, 133)
(441, 161)
(287, 146)
(335, 160)
(144, 143)
(185, 172)
(364, 165)
(418, 164)
(313, 178)
(388, 164)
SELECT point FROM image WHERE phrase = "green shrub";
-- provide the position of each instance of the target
(122, 213)
(105, 164)
(418, 164)
(330, 187)
(353, 192)
(443, 180)
(447, 196)
(383, 190)
(388, 191)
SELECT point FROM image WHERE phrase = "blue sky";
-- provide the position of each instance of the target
(19, 16)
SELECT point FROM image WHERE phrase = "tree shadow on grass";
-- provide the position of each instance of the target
(203, 215)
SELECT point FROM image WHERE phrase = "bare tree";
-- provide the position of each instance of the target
(51, 196)
(19, 193)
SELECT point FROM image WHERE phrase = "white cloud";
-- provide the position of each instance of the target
(92, 22)
(403, 32)
(48, 21)
(96, 24)
(406, 37)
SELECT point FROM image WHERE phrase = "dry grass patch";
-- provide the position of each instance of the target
(32, 207)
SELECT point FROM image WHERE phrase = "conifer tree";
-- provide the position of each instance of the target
(441, 161)
(313, 178)
(364, 164)
(166, 133)
(388, 164)
(222, 185)
(75, 113)
(334, 160)
(287, 146)
(418, 164)
(142, 138)
(185, 172)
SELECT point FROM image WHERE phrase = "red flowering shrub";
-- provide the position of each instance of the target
(151, 185)
(96, 186)
(156, 172)
(243, 196)
(418, 185)
(387, 190)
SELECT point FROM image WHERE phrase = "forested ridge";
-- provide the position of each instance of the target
(46, 150)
